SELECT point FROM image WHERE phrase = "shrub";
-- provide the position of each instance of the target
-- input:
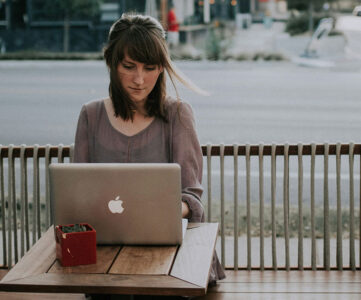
(213, 45)
(298, 24)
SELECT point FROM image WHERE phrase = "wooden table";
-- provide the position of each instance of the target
(149, 270)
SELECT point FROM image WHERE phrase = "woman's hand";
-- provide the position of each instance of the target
(185, 210)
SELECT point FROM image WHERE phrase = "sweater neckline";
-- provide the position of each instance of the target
(121, 133)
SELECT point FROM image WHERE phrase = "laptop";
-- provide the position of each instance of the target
(131, 204)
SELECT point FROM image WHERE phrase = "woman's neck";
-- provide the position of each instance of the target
(140, 109)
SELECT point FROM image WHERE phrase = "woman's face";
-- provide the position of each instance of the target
(137, 79)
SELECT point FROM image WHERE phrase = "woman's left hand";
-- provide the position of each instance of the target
(185, 210)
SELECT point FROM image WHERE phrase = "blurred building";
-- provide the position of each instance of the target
(49, 25)
(82, 25)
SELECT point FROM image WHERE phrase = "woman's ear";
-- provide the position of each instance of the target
(161, 69)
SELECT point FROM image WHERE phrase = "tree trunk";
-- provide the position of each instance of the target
(8, 14)
(66, 32)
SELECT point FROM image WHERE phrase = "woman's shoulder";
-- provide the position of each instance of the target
(93, 108)
(94, 105)
(173, 106)
(180, 114)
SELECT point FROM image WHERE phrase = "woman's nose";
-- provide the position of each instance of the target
(138, 77)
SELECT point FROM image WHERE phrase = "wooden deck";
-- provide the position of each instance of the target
(287, 285)
(261, 285)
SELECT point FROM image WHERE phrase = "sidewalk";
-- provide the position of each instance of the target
(258, 39)
(255, 39)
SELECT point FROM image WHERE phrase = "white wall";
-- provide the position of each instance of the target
(183, 9)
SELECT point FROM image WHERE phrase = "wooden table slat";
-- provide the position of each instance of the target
(105, 257)
(40, 296)
(3, 272)
(144, 260)
(104, 283)
(195, 255)
(37, 260)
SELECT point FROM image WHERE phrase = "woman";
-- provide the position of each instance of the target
(138, 122)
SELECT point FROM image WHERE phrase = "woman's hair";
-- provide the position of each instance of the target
(142, 38)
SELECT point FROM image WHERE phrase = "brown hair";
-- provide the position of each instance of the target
(142, 38)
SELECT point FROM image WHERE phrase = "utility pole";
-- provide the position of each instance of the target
(163, 13)
(66, 35)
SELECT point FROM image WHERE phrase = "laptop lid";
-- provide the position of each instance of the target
(125, 203)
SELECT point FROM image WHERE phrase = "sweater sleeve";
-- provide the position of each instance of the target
(81, 147)
(188, 154)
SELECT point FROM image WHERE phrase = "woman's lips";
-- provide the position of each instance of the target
(136, 89)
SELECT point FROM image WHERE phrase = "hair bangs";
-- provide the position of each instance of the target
(144, 48)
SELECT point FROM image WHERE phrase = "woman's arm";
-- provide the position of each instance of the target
(81, 149)
(187, 153)
(185, 210)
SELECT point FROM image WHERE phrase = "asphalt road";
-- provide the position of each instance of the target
(248, 102)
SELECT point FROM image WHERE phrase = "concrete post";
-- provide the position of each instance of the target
(253, 6)
(206, 12)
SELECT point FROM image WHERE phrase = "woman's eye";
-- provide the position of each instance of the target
(127, 66)
(150, 68)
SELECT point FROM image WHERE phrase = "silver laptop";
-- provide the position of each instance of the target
(136, 204)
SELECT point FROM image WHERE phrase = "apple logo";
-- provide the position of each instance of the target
(115, 206)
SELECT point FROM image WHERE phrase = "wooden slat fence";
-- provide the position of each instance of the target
(29, 212)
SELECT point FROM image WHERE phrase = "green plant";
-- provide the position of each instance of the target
(74, 228)
(298, 24)
(213, 44)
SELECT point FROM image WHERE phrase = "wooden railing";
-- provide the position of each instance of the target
(25, 201)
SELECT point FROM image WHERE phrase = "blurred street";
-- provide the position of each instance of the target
(249, 101)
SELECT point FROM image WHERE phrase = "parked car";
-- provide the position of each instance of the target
(357, 11)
